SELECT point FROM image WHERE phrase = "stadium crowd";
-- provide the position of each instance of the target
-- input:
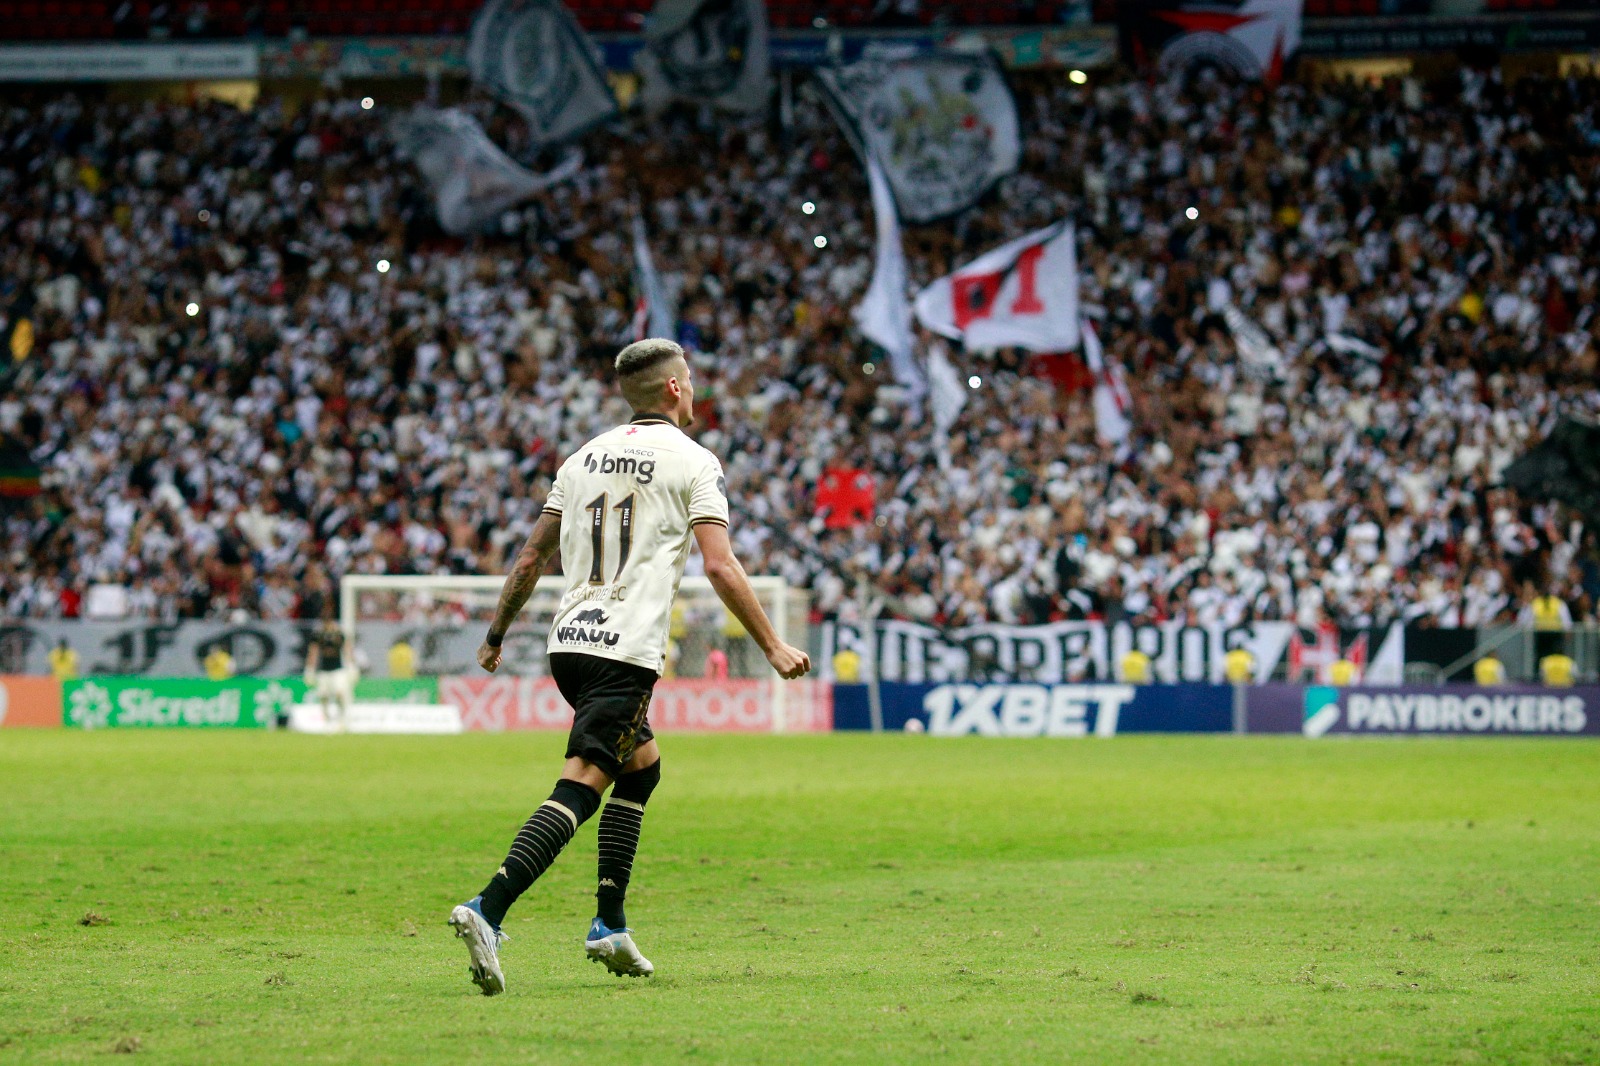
(248, 362)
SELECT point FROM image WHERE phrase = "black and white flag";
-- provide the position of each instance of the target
(473, 181)
(884, 313)
(655, 314)
(943, 126)
(708, 51)
(532, 55)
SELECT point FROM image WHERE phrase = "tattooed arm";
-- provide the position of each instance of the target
(531, 561)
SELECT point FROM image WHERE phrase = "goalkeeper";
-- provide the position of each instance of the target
(331, 674)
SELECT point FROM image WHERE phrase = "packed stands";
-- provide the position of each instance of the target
(232, 405)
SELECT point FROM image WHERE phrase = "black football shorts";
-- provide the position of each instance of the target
(610, 700)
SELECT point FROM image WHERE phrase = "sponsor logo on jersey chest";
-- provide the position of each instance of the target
(643, 470)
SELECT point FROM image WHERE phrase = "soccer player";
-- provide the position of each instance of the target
(622, 511)
(330, 673)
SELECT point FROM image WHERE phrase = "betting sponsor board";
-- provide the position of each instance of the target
(243, 702)
(1033, 710)
(1440, 710)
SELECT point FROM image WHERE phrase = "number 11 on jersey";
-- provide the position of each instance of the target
(597, 534)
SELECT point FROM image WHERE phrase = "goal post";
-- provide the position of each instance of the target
(441, 620)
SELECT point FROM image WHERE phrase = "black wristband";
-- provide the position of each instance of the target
(494, 639)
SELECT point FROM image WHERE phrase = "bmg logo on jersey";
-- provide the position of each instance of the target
(644, 470)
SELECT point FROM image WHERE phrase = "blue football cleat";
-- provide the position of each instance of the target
(483, 945)
(615, 948)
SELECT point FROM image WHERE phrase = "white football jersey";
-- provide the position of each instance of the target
(628, 501)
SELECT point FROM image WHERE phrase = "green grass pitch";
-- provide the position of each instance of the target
(218, 898)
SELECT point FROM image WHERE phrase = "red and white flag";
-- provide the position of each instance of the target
(1020, 295)
(1113, 403)
(1252, 38)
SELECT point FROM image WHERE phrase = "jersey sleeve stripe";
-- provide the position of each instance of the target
(550, 511)
(702, 521)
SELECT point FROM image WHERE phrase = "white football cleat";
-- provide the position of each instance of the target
(483, 945)
(615, 948)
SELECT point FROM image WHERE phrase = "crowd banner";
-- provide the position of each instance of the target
(1072, 651)
(738, 705)
(944, 126)
(148, 648)
(533, 55)
(1251, 38)
(241, 702)
(473, 181)
(1032, 710)
(707, 51)
(906, 651)
(1466, 710)
(155, 649)
(30, 701)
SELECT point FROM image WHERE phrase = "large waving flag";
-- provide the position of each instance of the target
(1253, 38)
(1023, 295)
(473, 181)
(655, 317)
(533, 55)
(708, 51)
(944, 126)
(884, 314)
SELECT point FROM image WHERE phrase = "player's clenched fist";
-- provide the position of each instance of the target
(488, 657)
(789, 661)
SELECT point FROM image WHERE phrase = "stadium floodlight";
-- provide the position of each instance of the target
(820, 241)
(442, 618)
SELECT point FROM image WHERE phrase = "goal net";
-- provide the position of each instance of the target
(716, 677)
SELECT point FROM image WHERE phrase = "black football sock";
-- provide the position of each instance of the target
(620, 823)
(537, 845)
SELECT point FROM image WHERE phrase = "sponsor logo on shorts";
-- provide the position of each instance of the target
(580, 635)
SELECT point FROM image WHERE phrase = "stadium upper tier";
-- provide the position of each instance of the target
(86, 19)
(202, 19)
(233, 405)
